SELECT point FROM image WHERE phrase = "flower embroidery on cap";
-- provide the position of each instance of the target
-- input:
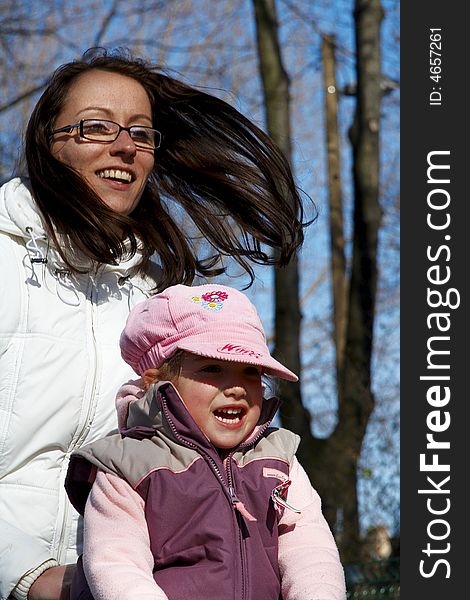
(211, 300)
(216, 296)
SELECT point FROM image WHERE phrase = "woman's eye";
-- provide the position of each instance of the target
(97, 128)
(141, 135)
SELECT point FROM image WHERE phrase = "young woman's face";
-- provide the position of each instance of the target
(105, 95)
(224, 398)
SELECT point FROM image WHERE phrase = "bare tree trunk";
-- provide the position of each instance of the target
(332, 463)
(356, 400)
(287, 312)
(335, 201)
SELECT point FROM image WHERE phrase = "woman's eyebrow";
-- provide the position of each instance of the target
(110, 113)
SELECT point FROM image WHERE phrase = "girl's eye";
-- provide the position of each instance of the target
(253, 371)
(211, 369)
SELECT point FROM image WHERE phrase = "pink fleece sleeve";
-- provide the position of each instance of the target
(308, 556)
(117, 559)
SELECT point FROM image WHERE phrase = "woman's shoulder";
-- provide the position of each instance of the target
(18, 210)
(13, 195)
(12, 184)
(16, 186)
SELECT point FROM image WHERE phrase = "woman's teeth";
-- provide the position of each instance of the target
(115, 174)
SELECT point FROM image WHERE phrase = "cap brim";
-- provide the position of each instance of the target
(270, 365)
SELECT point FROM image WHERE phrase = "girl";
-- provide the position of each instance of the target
(199, 497)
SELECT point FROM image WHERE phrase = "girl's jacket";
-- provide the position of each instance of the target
(60, 370)
(166, 518)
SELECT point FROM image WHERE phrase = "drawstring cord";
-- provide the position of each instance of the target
(67, 292)
(34, 252)
(65, 287)
(35, 255)
(125, 282)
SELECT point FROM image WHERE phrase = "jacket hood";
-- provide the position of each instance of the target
(18, 210)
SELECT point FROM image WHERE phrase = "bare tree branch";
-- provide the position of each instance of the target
(25, 31)
(106, 22)
(21, 97)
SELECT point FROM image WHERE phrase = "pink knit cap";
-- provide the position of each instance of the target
(208, 320)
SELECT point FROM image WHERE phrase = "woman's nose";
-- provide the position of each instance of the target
(123, 144)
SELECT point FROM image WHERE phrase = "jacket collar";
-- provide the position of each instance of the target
(162, 409)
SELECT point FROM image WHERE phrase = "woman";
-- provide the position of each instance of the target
(111, 141)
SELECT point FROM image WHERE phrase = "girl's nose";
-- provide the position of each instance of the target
(237, 392)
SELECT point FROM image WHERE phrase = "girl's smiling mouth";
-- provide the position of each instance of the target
(229, 416)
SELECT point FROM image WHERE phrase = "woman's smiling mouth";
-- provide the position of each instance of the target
(116, 175)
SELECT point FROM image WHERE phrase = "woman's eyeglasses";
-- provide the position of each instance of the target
(102, 130)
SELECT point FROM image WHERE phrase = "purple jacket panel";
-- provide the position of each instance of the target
(202, 546)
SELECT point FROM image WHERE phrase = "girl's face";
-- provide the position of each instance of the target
(224, 398)
(117, 171)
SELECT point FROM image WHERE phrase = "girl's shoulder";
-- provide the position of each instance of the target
(276, 443)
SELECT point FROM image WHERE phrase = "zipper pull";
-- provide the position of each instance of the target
(238, 505)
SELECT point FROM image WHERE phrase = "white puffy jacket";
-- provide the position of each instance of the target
(60, 368)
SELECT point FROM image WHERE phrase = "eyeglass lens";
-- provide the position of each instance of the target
(107, 131)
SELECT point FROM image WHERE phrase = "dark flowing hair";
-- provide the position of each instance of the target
(227, 174)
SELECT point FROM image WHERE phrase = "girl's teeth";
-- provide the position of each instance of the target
(235, 420)
(233, 412)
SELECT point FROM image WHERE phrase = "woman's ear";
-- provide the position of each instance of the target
(150, 376)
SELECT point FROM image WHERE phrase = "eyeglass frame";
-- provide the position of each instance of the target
(68, 129)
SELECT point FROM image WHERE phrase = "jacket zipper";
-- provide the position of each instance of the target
(228, 489)
(241, 545)
(85, 427)
(91, 396)
(236, 500)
